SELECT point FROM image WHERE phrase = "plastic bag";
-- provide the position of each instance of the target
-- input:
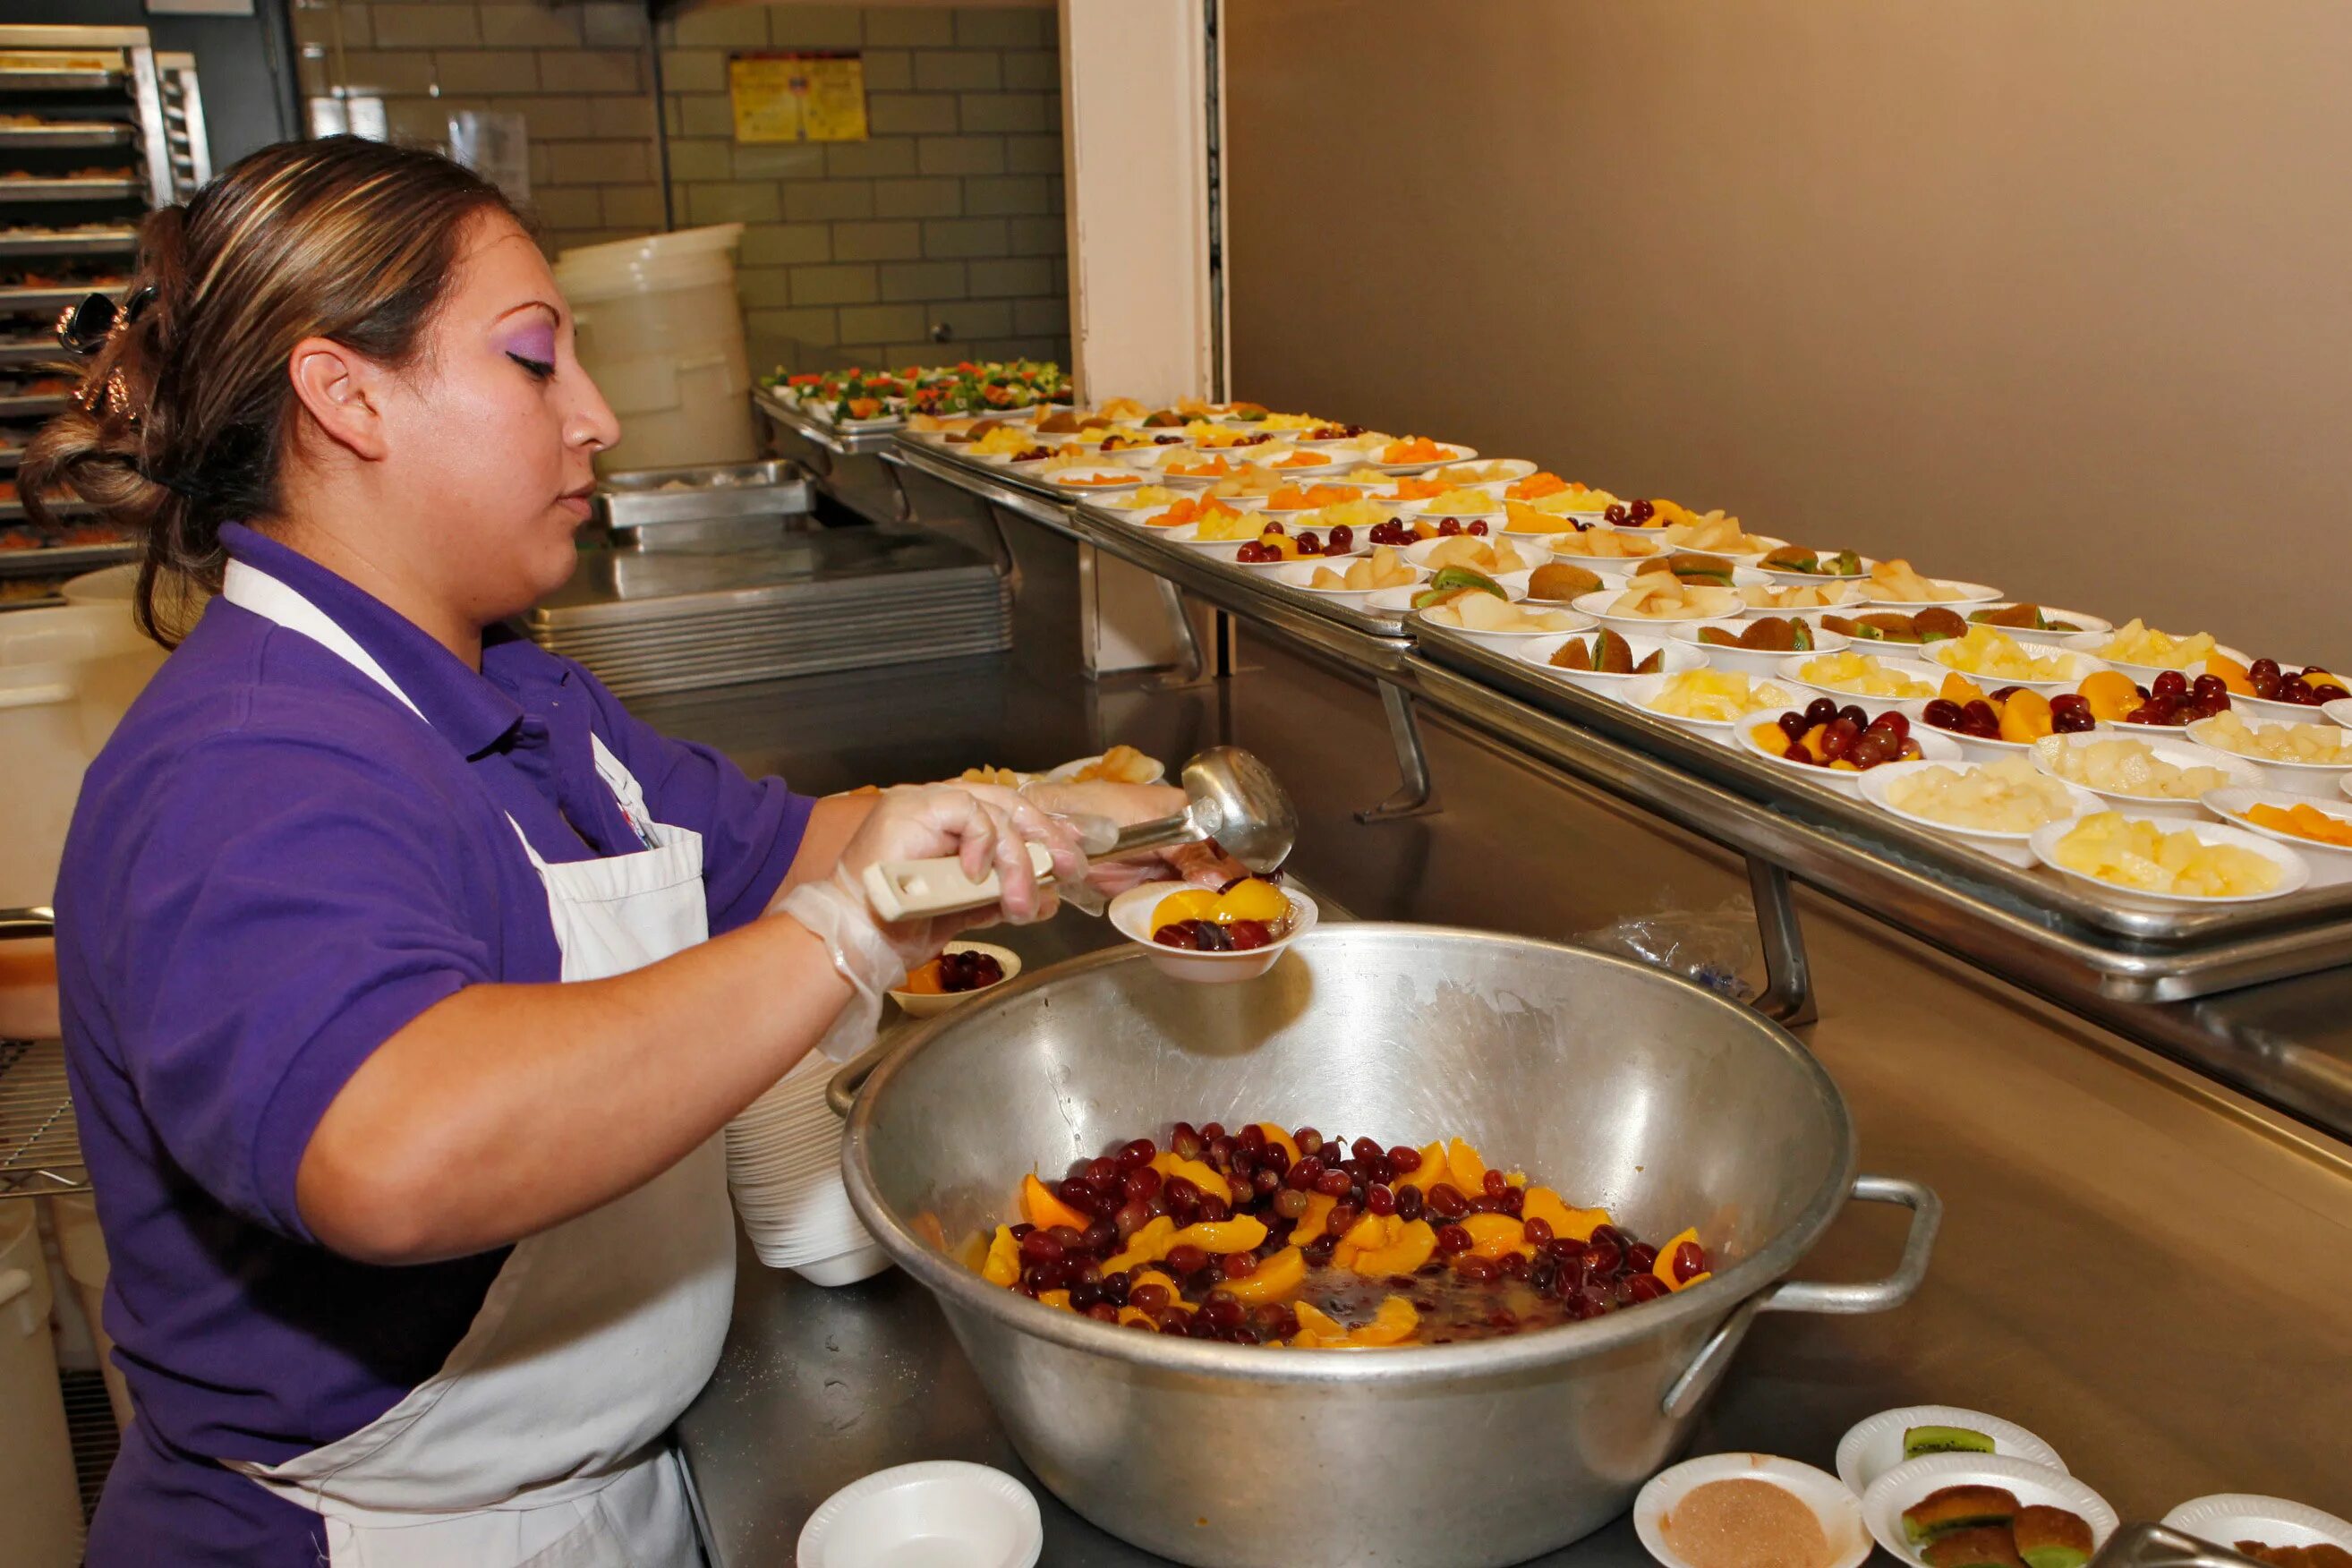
(1716, 947)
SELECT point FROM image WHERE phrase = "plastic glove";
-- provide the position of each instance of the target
(1123, 805)
(980, 826)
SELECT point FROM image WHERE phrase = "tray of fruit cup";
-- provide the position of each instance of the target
(1835, 748)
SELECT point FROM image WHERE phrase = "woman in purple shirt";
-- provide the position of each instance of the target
(407, 979)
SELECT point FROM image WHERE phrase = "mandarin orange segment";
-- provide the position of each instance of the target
(1430, 1172)
(1243, 1233)
(1150, 1244)
(1202, 1176)
(1271, 1281)
(1041, 1208)
(1002, 1265)
(1493, 1234)
(1392, 1324)
(2233, 675)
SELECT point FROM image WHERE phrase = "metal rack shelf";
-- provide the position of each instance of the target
(105, 241)
(65, 134)
(86, 188)
(40, 1152)
(32, 405)
(45, 302)
(62, 80)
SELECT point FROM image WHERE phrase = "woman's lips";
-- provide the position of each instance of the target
(577, 503)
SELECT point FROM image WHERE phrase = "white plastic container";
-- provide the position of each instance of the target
(65, 677)
(41, 1525)
(82, 1245)
(661, 330)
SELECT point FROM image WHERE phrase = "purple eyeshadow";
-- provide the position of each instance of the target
(534, 342)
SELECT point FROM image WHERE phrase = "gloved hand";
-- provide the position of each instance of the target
(1122, 806)
(980, 826)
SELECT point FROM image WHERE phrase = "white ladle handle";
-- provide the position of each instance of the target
(916, 889)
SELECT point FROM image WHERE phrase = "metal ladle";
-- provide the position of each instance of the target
(1231, 797)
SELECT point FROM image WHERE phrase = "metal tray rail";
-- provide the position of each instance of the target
(2019, 923)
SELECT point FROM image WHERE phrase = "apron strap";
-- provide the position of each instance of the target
(250, 588)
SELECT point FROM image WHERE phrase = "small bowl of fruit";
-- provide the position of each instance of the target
(2321, 823)
(1213, 935)
(1757, 644)
(2005, 721)
(1834, 745)
(962, 970)
(1351, 581)
(1605, 660)
(2268, 689)
(2142, 652)
(2158, 710)
(1278, 545)
(2311, 755)
(2028, 621)
(1988, 655)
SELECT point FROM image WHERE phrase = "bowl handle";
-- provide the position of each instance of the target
(841, 1088)
(1927, 1209)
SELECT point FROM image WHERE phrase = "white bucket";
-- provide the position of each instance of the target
(65, 677)
(83, 1247)
(41, 1525)
(661, 330)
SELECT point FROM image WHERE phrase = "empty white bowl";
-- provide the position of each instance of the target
(940, 1513)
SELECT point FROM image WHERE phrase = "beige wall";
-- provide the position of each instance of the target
(950, 214)
(2049, 296)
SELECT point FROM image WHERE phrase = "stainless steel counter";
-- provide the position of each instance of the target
(2150, 1270)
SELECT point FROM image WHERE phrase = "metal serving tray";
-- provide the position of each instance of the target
(788, 415)
(68, 242)
(89, 188)
(660, 498)
(65, 132)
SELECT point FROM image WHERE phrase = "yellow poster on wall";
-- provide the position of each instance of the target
(797, 96)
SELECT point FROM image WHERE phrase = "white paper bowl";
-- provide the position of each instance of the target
(1966, 596)
(929, 1004)
(1491, 513)
(1149, 520)
(1855, 605)
(1455, 453)
(2142, 674)
(2311, 778)
(1070, 770)
(1421, 550)
(1975, 748)
(2179, 753)
(2232, 805)
(942, 1512)
(1783, 574)
(2227, 1518)
(1355, 547)
(1840, 1515)
(1596, 605)
(1614, 566)
(1297, 574)
(2016, 849)
(2340, 710)
(1934, 747)
(1736, 557)
(1189, 535)
(1399, 600)
(1786, 672)
(1512, 642)
(2277, 712)
(1117, 506)
(1642, 689)
(2088, 623)
(1760, 661)
(1100, 479)
(1872, 1448)
(1130, 915)
(1677, 658)
(2034, 1485)
(1306, 465)
(2078, 665)
(1514, 470)
(2294, 870)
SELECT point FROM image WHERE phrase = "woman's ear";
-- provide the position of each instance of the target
(340, 389)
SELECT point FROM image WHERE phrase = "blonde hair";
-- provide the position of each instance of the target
(182, 420)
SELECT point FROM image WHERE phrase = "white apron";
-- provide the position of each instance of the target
(539, 1444)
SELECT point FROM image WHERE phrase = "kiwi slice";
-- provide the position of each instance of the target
(1936, 623)
(2027, 617)
(1768, 634)
(1452, 580)
(1654, 665)
(1801, 633)
(1715, 636)
(1573, 655)
(1614, 656)
(1845, 563)
(1700, 568)
(1918, 1441)
(1792, 558)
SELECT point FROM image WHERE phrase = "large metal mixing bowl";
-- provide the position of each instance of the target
(1613, 1082)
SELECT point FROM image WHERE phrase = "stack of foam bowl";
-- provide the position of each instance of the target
(783, 1167)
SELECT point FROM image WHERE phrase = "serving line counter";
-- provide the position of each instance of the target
(2130, 969)
(2138, 1264)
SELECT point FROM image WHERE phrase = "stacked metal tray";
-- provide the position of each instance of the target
(804, 603)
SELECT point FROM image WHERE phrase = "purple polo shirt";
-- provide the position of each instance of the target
(273, 867)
